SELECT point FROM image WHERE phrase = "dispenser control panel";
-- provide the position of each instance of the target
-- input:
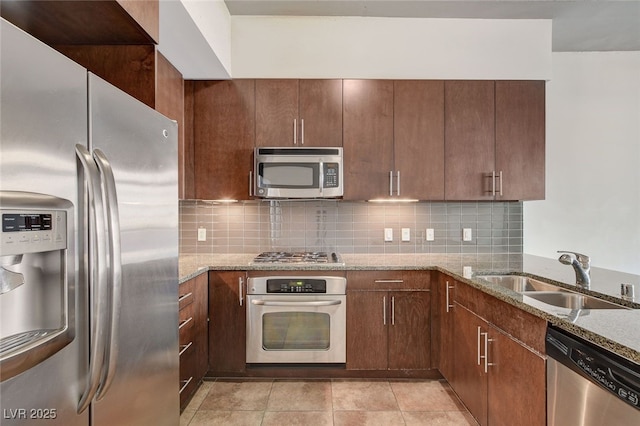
(33, 231)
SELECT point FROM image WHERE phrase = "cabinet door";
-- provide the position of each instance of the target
(520, 139)
(227, 320)
(418, 115)
(470, 380)
(445, 314)
(410, 330)
(368, 138)
(201, 326)
(367, 316)
(276, 112)
(469, 140)
(321, 109)
(223, 132)
(516, 383)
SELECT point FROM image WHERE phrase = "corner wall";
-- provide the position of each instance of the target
(592, 202)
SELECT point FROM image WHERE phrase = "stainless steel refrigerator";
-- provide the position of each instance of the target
(89, 249)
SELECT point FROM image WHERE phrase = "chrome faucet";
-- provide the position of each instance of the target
(581, 264)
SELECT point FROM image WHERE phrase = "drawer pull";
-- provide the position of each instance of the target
(186, 383)
(183, 348)
(184, 296)
(388, 281)
(185, 322)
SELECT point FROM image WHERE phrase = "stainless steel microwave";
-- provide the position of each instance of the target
(298, 172)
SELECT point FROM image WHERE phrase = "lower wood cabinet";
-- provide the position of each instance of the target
(193, 335)
(499, 369)
(227, 322)
(388, 320)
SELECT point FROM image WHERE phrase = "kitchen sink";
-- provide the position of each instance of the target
(520, 283)
(571, 300)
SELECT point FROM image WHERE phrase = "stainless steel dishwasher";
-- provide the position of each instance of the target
(588, 385)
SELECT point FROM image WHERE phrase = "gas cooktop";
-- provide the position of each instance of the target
(300, 257)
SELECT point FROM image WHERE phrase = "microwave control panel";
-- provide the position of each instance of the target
(331, 173)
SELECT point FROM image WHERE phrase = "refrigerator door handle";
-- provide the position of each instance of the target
(98, 273)
(115, 267)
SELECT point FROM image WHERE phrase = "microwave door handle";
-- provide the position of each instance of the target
(321, 177)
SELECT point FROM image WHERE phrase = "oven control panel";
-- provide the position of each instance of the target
(296, 285)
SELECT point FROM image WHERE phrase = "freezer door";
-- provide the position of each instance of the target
(140, 146)
(44, 108)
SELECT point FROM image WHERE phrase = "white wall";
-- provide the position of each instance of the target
(593, 162)
(195, 36)
(394, 48)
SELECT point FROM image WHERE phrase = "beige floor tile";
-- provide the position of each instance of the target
(368, 418)
(430, 395)
(300, 396)
(363, 395)
(236, 395)
(298, 418)
(186, 416)
(439, 418)
(199, 396)
(227, 418)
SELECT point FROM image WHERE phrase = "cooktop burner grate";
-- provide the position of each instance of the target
(298, 257)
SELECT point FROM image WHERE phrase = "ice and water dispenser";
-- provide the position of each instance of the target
(37, 271)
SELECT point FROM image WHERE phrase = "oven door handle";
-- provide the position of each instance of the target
(312, 303)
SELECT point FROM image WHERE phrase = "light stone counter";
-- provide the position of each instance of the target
(615, 329)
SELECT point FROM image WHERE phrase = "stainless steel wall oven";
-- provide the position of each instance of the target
(293, 319)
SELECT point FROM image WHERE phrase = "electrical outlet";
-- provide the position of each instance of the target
(467, 234)
(388, 234)
(430, 234)
(406, 234)
(202, 234)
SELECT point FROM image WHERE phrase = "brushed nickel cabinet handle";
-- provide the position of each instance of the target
(398, 183)
(240, 290)
(184, 296)
(479, 354)
(186, 383)
(388, 281)
(391, 183)
(393, 310)
(295, 131)
(183, 348)
(486, 352)
(500, 178)
(384, 310)
(251, 184)
(449, 305)
(185, 322)
(302, 131)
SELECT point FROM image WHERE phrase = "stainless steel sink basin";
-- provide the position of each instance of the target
(571, 300)
(520, 283)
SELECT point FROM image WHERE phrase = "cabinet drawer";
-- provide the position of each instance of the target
(186, 325)
(186, 294)
(388, 280)
(188, 379)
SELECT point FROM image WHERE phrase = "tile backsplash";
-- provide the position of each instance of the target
(354, 227)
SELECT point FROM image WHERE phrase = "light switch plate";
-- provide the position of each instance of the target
(430, 234)
(406, 234)
(202, 234)
(466, 234)
(388, 234)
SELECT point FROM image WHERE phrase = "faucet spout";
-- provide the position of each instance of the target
(581, 265)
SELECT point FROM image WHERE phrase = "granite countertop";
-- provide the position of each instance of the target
(613, 329)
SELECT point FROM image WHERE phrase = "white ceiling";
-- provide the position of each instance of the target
(577, 25)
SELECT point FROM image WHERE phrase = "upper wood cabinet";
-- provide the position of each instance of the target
(86, 21)
(520, 139)
(368, 138)
(223, 133)
(418, 136)
(494, 144)
(394, 139)
(469, 140)
(298, 113)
